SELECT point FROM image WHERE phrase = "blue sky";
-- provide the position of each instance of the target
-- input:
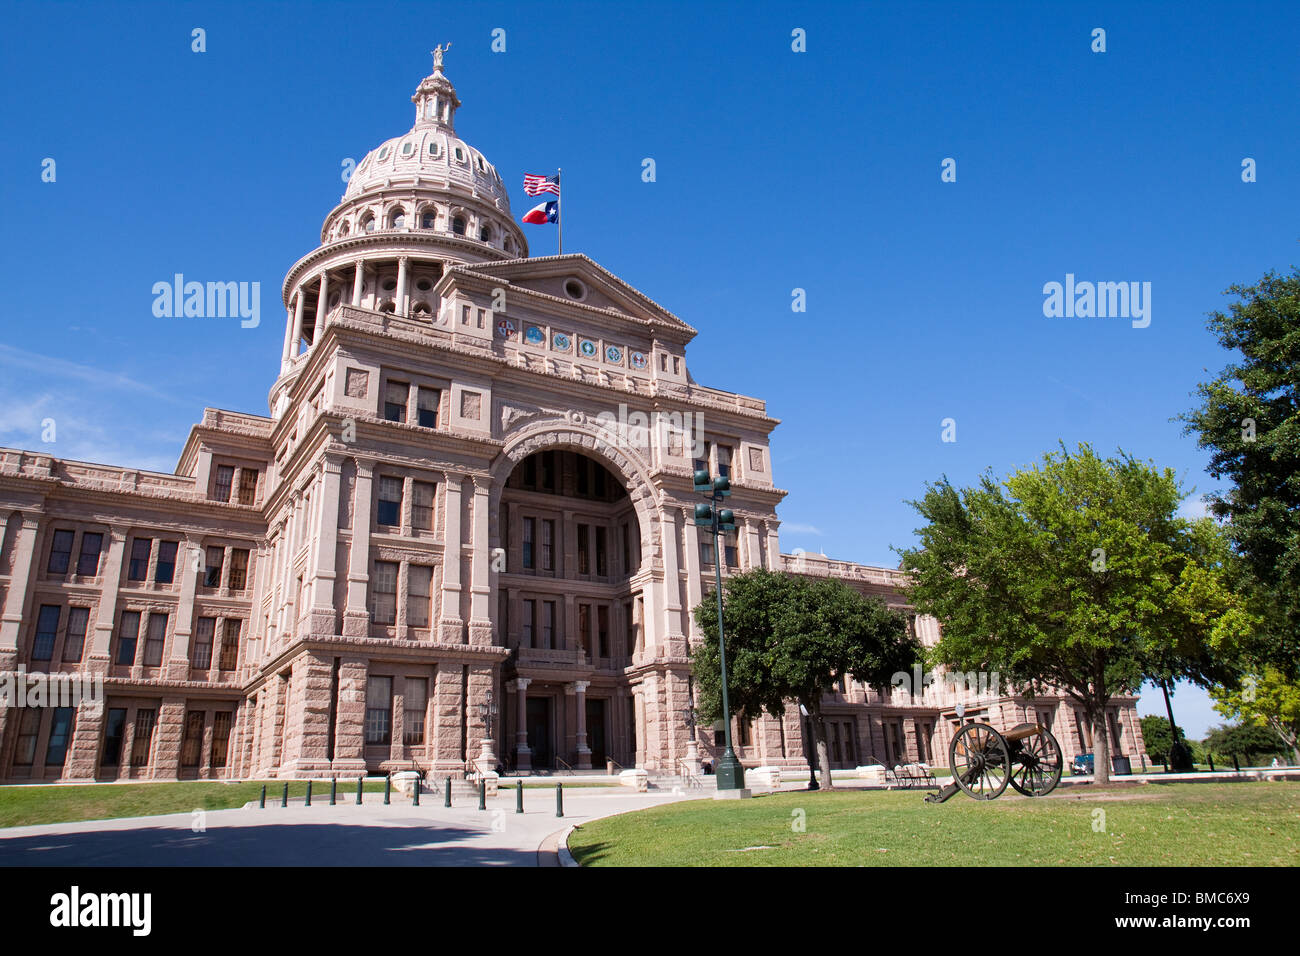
(776, 170)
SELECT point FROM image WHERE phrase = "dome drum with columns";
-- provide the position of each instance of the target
(414, 205)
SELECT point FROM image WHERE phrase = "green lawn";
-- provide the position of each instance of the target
(1188, 824)
(25, 806)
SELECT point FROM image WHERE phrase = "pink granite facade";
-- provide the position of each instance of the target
(463, 535)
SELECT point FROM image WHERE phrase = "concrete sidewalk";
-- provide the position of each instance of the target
(321, 835)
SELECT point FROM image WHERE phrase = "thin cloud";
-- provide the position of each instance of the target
(796, 528)
(62, 368)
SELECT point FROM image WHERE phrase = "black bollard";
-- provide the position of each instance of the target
(415, 802)
(446, 793)
(262, 801)
(482, 794)
(334, 790)
(519, 797)
(1210, 759)
(388, 788)
(1235, 764)
(284, 797)
(309, 793)
(559, 799)
(360, 781)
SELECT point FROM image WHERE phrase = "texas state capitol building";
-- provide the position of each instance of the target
(434, 538)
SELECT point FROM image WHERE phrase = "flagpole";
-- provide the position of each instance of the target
(559, 208)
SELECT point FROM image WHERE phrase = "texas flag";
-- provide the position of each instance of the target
(544, 213)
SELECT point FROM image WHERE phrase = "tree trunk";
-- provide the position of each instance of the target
(1100, 747)
(819, 744)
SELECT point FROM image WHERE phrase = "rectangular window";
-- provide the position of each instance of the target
(153, 645)
(212, 570)
(724, 461)
(201, 658)
(422, 505)
(419, 580)
(74, 642)
(743, 731)
(225, 479)
(548, 624)
(165, 569)
(143, 743)
(548, 545)
(238, 569)
(527, 544)
(88, 560)
(29, 729)
(706, 552)
(702, 464)
(547, 475)
(730, 551)
(427, 407)
(602, 560)
(584, 549)
(379, 710)
(395, 401)
(390, 502)
(56, 751)
(47, 626)
(60, 552)
(114, 729)
(584, 629)
(248, 486)
(526, 625)
(230, 644)
(221, 724)
(629, 634)
(138, 570)
(385, 593)
(127, 634)
(602, 630)
(193, 744)
(414, 705)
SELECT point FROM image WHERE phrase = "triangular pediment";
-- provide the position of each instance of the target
(599, 288)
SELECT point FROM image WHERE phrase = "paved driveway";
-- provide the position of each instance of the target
(321, 835)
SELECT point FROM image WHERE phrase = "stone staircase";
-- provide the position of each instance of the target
(701, 783)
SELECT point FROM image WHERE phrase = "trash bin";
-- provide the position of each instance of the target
(1120, 765)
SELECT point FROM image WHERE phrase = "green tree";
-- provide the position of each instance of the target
(1249, 418)
(792, 638)
(1265, 697)
(1247, 742)
(1155, 731)
(1075, 574)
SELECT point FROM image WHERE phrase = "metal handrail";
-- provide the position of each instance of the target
(689, 774)
(563, 763)
(611, 760)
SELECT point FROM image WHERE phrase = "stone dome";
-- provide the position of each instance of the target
(431, 154)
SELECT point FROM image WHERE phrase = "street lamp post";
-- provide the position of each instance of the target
(488, 710)
(730, 772)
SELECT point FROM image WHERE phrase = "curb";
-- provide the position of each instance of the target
(562, 846)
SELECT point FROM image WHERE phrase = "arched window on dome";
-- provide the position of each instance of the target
(458, 225)
(407, 149)
(434, 149)
(367, 222)
(383, 154)
(397, 218)
(344, 229)
(421, 309)
(485, 232)
(387, 305)
(460, 155)
(428, 217)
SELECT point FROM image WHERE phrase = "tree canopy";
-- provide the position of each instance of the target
(792, 638)
(1076, 573)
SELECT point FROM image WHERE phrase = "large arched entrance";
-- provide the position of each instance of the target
(570, 607)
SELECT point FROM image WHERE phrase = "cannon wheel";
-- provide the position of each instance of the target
(1036, 768)
(980, 761)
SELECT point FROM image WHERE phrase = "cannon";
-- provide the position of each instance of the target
(983, 761)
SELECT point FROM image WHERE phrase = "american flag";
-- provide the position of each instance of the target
(536, 185)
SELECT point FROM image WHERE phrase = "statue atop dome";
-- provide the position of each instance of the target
(437, 52)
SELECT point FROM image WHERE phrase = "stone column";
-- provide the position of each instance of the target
(358, 282)
(480, 686)
(169, 732)
(177, 666)
(754, 545)
(447, 717)
(579, 689)
(400, 304)
(307, 743)
(83, 753)
(297, 326)
(450, 625)
(480, 616)
(350, 719)
(326, 534)
(672, 640)
(523, 755)
(322, 306)
(19, 584)
(287, 354)
(356, 618)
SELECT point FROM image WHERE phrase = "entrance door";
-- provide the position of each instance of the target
(596, 732)
(539, 732)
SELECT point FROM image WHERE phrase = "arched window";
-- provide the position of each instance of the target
(388, 306)
(407, 149)
(397, 218)
(458, 225)
(343, 229)
(421, 308)
(368, 222)
(485, 232)
(428, 218)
